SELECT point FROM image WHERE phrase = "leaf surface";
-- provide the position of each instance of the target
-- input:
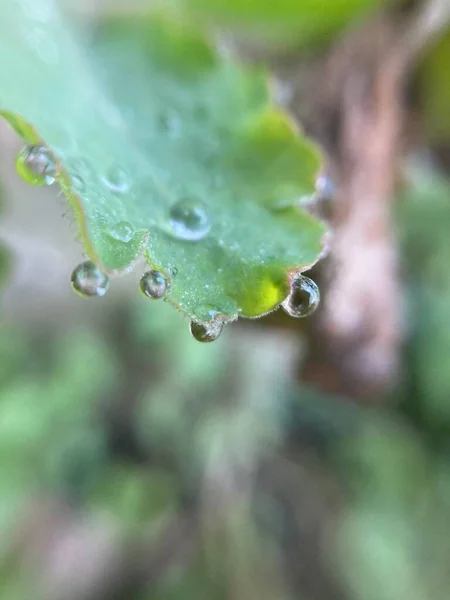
(146, 118)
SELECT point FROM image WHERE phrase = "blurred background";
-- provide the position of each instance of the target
(290, 459)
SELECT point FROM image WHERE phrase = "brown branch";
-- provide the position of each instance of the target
(359, 117)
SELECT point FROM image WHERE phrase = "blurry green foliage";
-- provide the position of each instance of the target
(394, 538)
(304, 21)
(424, 221)
(434, 86)
(47, 438)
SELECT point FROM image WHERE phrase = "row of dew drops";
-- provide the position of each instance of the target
(189, 221)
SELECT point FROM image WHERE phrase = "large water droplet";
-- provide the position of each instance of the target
(303, 299)
(36, 165)
(122, 232)
(154, 285)
(117, 179)
(189, 220)
(206, 332)
(89, 281)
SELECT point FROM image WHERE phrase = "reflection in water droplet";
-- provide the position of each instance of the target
(36, 165)
(190, 220)
(206, 332)
(303, 299)
(122, 231)
(154, 285)
(117, 179)
(89, 281)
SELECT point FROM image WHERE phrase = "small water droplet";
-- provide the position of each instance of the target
(78, 183)
(42, 11)
(41, 44)
(112, 115)
(36, 165)
(218, 182)
(154, 285)
(206, 332)
(303, 299)
(122, 231)
(325, 187)
(117, 179)
(171, 124)
(89, 281)
(283, 92)
(190, 220)
(174, 271)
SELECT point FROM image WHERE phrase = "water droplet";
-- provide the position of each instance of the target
(154, 285)
(171, 124)
(41, 44)
(303, 299)
(78, 183)
(117, 180)
(206, 332)
(112, 115)
(89, 281)
(41, 11)
(174, 271)
(325, 187)
(283, 92)
(218, 182)
(122, 231)
(36, 165)
(190, 220)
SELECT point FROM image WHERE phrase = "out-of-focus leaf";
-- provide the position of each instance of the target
(134, 496)
(307, 21)
(162, 119)
(435, 91)
(424, 222)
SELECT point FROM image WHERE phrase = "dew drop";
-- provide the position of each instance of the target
(88, 281)
(36, 165)
(154, 285)
(78, 183)
(189, 220)
(303, 299)
(122, 232)
(171, 124)
(325, 187)
(206, 332)
(42, 45)
(283, 92)
(116, 179)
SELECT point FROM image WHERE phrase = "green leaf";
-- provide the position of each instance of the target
(306, 21)
(152, 116)
(435, 90)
